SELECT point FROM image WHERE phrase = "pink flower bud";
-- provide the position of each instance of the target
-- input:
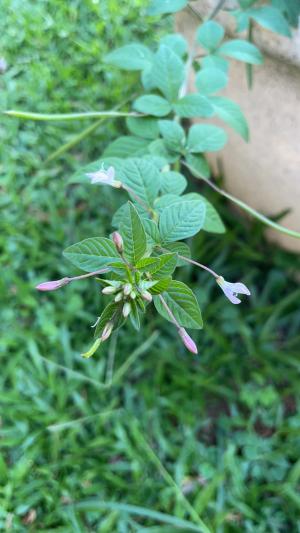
(126, 310)
(188, 341)
(147, 296)
(107, 331)
(52, 285)
(118, 241)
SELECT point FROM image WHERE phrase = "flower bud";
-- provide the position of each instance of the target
(188, 341)
(126, 309)
(147, 296)
(52, 285)
(119, 297)
(107, 331)
(109, 290)
(118, 241)
(127, 288)
(92, 350)
(133, 295)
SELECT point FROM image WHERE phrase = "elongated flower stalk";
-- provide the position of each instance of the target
(57, 284)
(186, 339)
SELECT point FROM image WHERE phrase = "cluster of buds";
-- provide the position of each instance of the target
(126, 292)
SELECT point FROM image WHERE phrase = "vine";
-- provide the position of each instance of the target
(137, 263)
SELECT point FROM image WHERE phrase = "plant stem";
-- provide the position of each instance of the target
(67, 116)
(243, 205)
(199, 265)
(167, 308)
(216, 9)
(102, 271)
(188, 260)
(195, 12)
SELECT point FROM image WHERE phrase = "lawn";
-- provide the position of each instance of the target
(144, 437)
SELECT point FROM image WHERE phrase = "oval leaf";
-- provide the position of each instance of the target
(181, 220)
(183, 304)
(92, 254)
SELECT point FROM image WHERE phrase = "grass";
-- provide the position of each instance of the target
(143, 437)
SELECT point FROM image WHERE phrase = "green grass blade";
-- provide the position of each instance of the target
(96, 505)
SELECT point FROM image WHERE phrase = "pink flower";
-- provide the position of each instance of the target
(231, 290)
(188, 341)
(104, 177)
(52, 285)
(118, 241)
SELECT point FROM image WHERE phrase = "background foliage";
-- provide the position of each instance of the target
(225, 425)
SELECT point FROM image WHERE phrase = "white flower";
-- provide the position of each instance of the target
(231, 290)
(104, 177)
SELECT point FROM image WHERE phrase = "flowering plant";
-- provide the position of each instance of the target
(153, 163)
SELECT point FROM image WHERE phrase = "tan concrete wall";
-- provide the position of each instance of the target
(265, 172)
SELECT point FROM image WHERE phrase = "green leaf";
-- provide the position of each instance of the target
(146, 127)
(132, 56)
(92, 254)
(173, 134)
(147, 264)
(176, 42)
(167, 72)
(213, 222)
(193, 105)
(183, 305)
(161, 286)
(214, 61)
(134, 235)
(113, 311)
(134, 315)
(179, 248)
(160, 7)
(270, 18)
(143, 177)
(152, 233)
(232, 114)
(199, 164)
(152, 104)
(242, 51)
(211, 80)
(172, 182)
(164, 201)
(126, 146)
(206, 138)
(160, 149)
(210, 34)
(181, 220)
(122, 213)
(165, 267)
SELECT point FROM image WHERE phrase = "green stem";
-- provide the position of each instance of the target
(27, 115)
(78, 138)
(216, 9)
(85, 133)
(244, 206)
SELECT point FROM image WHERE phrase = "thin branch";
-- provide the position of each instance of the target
(167, 308)
(216, 9)
(243, 205)
(67, 116)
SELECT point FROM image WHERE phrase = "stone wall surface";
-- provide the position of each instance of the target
(265, 172)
